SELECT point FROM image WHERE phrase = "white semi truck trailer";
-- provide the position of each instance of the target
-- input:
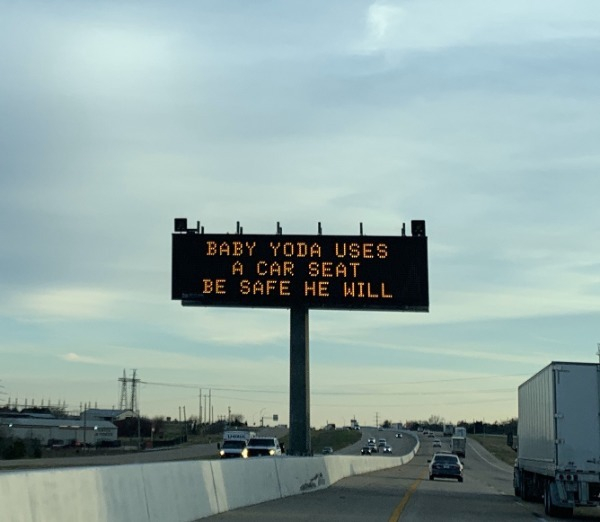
(448, 430)
(558, 454)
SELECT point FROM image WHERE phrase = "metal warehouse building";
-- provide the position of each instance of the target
(68, 430)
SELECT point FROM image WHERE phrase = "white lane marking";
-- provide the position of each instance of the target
(489, 462)
(536, 515)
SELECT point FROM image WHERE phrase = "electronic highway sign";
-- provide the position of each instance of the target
(313, 271)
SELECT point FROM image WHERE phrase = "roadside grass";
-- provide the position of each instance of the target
(496, 445)
(337, 439)
(319, 439)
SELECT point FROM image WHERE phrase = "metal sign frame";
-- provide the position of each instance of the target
(300, 272)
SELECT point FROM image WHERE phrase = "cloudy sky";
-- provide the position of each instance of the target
(482, 118)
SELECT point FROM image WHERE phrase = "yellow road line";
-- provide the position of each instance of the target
(413, 487)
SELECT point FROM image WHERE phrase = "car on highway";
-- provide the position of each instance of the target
(387, 448)
(234, 449)
(437, 443)
(365, 450)
(327, 450)
(381, 443)
(445, 465)
(371, 440)
(263, 447)
(398, 435)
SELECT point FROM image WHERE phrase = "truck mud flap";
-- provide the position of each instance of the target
(552, 504)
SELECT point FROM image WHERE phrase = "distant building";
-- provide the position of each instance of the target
(69, 431)
(109, 415)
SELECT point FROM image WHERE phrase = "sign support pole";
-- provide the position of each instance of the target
(299, 440)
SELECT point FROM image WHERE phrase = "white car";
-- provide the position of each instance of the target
(437, 443)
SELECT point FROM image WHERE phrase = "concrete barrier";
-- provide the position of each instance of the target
(240, 483)
(180, 491)
(301, 475)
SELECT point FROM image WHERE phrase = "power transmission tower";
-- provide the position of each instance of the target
(123, 400)
(134, 399)
(2, 392)
(132, 404)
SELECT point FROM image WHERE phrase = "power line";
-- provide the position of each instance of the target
(334, 393)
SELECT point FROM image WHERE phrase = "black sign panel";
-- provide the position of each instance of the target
(314, 271)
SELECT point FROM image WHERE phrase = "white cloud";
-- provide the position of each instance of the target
(428, 25)
(119, 120)
(62, 304)
(76, 358)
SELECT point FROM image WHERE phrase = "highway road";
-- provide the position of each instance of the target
(91, 458)
(396, 494)
(406, 494)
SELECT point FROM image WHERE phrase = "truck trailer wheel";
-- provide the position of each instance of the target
(550, 508)
(524, 488)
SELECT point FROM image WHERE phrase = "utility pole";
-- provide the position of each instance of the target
(185, 423)
(205, 410)
(180, 427)
(139, 428)
(200, 407)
